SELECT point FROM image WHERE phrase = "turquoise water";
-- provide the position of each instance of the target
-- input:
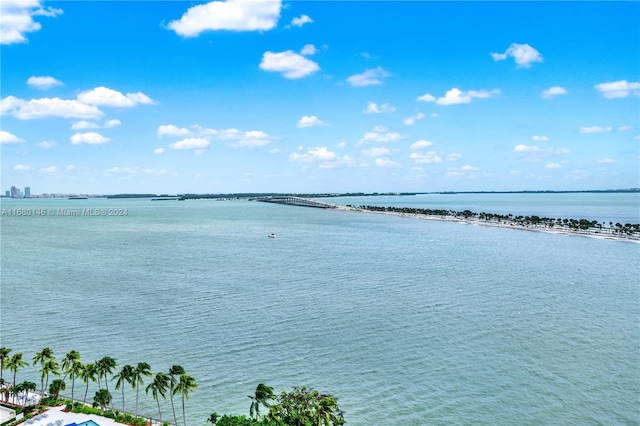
(405, 321)
(89, 423)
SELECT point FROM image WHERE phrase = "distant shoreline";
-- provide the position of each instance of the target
(558, 230)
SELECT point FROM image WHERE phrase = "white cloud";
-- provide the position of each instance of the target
(83, 124)
(234, 15)
(6, 137)
(90, 138)
(112, 123)
(191, 143)
(422, 143)
(523, 54)
(48, 107)
(171, 130)
(454, 156)
(606, 161)
(158, 150)
(46, 144)
(314, 154)
(426, 158)
(380, 134)
(540, 138)
(625, 128)
(553, 166)
(410, 121)
(525, 148)
(50, 169)
(301, 20)
(289, 63)
(554, 91)
(468, 168)
(456, 96)
(308, 49)
(375, 152)
(369, 77)
(385, 162)
(274, 151)
(70, 167)
(595, 129)
(618, 89)
(43, 82)
(244, 139)
(310, 121)
(17, 19)
(373, 108)
(535, 153)
(103, 96)
(21, 168)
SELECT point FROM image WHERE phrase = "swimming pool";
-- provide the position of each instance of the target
(89, 423)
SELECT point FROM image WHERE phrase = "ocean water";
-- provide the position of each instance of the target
(406, 322)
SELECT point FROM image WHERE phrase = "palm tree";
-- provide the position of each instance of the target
(74, 371)
(26, 388)
(174, 371)
(56, 387)
(14, 365)
(262, 394)
(105, 367)
(88, 373)
(4, 359)
(159, 386)
(49, 366)
(124, 376)
(326, 412)
(142, 369)
(184, 386)
(71, 357)
(102, 398)
(43, 357)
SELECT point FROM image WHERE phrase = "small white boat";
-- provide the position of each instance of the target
(272, 235)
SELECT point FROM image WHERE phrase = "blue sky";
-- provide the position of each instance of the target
(270, 96)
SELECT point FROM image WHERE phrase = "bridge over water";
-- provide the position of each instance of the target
(295, 201)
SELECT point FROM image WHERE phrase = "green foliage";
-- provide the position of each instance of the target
(227, 420)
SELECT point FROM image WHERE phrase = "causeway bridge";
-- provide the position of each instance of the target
(295, 201)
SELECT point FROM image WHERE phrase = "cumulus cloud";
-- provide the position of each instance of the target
(83, 124)
(21, 168)
(191, 143)
(233, 15)
(103, 96)
(112, 123)
(595, 129)
(289, 63)
(385, 162)
(373, 108)
(454, 156)
(6, 137)
(554, 91)
(624, 128)
(380, 134)
(535, 153)
(300, 21)
(422, 143)
(158, 150)
(171, 130)
(244, 139)
(43, 82)
(523, 54)
(618, 89)
(410, 121)
(375, 152)
(553, 166)
(314, 154)
(17, 19)
(606, 161)
(468, 168)
(308, 49)
(310, 121)
(70, 167)
(456, 96)
(426, 158)
(540, 138)
(369, 77)
(89, 138)
(48, 107)
(46, 144)
(50, 169)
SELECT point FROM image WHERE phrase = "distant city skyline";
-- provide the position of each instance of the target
(310, 97)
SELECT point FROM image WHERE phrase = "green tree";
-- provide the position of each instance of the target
(71, 357)
(185, 385)
(57, 386)
(102, 399)
(262, 394)
(75, 370)
(4, 359)
(89, 374)
(327, 412)
(306, 407)
(124, 376)
(159, 387)
(15, 363)
(175, 372)
(105, 368)
(27, 387)
(141, 370)
(49, 366)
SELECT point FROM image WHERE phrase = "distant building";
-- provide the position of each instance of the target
(16, 193)
(27, 191)
(7, 193)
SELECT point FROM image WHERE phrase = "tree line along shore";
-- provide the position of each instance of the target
(298, 407)
(582, 226)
